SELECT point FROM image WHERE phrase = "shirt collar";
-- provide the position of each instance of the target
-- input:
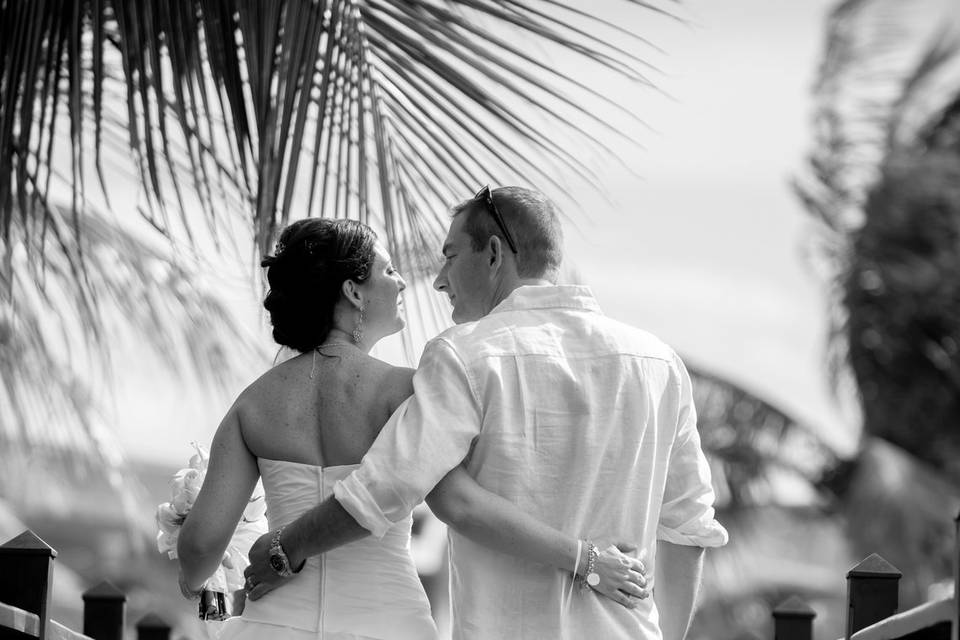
(565, 296)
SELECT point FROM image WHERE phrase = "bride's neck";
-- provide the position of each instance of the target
(338, 336)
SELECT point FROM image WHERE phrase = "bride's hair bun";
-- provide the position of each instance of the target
(313, 259)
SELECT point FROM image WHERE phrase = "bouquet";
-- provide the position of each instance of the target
(228, 578)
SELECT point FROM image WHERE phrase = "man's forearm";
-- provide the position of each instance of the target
(675, 587)
(327, 526)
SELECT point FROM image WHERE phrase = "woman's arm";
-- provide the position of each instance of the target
(231, 477)
(497, 523)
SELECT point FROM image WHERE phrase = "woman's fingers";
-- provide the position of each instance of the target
(623, 549)
(623, 599)
(631, 589)
(637, 578)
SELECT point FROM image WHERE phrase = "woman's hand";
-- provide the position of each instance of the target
(622, 577)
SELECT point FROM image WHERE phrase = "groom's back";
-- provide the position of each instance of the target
(580, 414)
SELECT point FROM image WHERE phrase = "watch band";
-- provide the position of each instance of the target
(279, 561)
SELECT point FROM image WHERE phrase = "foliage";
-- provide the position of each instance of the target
(57, 341)
(884, 187)
(882, 184)
(903, 299)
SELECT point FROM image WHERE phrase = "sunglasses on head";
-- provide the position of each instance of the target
(486, 197)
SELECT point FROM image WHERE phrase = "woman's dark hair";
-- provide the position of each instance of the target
(312, 260)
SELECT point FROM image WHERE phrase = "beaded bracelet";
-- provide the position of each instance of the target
(590, 577)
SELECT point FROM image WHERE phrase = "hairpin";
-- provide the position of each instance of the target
(310, 246)
(279, 248)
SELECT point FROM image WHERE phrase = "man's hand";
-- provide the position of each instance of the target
(260, 578)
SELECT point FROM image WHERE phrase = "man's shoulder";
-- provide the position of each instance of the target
(633, 339)
(460, 336)
(602, 333)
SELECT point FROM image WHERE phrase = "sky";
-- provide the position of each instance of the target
(707, 250)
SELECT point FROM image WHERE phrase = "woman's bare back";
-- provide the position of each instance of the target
(321, 409)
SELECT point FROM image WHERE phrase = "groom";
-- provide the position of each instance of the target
(585, 422)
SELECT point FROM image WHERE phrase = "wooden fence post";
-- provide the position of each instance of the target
(872, 593)
(104, 609)
(26, 564)
(793, 620)
(152, 627)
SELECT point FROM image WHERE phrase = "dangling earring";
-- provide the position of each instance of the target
(358, 329)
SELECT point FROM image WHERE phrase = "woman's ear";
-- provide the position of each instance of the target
(351, 292)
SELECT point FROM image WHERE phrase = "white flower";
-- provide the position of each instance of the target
(184, 489)
(168, 520)
(200, 459)
(167, 543)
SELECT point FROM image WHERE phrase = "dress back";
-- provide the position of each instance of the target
(365, 589)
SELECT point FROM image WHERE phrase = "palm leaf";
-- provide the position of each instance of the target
(402, 107)
(133, 291)
(760, 456)
(888, 78)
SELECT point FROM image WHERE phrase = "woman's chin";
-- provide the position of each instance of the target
(398, 325)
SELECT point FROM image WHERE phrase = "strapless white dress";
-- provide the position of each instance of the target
(363, 590)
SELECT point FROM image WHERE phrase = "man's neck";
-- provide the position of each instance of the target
(507, 288)
(534, 282)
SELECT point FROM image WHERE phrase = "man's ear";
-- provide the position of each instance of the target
(495, 246)
(351, 291)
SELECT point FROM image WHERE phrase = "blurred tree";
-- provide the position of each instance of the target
(884, 186)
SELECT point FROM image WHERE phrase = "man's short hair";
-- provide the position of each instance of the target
(533, 222)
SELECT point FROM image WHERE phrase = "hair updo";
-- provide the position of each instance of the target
(312, 260)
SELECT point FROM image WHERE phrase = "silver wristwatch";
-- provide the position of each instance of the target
(279, 561)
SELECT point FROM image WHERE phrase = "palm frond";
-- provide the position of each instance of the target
(759, 455)
(883, 64)
(401, 107)
(133, 292)
(888, 74)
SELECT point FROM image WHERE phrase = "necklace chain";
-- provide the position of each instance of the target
(333, 344)
(316, 350)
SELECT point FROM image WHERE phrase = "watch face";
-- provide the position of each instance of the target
(276, 562)
(593, 579)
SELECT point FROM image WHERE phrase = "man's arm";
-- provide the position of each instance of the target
(677, 581)
(427, 436)
(325, 527)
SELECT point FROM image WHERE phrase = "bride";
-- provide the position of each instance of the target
(307, 422)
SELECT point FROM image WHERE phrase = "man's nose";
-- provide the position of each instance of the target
(440, 282)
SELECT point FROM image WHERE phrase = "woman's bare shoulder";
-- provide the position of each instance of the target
(266, 390)
(395, 384)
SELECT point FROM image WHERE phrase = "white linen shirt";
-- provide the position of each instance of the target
(582, 421)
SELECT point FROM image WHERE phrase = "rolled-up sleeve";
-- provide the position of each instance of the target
(687, 516)
(427, 436)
